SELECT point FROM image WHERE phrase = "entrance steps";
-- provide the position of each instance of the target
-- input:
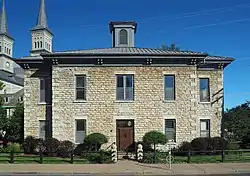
(121, 155)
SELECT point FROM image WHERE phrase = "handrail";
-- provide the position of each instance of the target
(110, 145)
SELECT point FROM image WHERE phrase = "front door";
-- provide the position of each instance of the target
(124, 134)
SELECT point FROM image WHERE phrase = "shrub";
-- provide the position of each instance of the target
(94, 141)
(183, 149)
(79, 149)
(219, 143)
(15, 147)
(51, 145)
(98, 157)
(30, 144)
(233, 146)
(157, 157)
(65, 148)
(154, 137)
(199, 145)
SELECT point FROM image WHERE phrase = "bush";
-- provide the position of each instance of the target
(94, 141)
(219, 143)
(233, 146)
(79, 149)
(15, 147)
(30, 144)
(154, 137)
(65, 148)
(98, 157)
(183, 149)
(160, 157)
(199, 145)
(51, 145)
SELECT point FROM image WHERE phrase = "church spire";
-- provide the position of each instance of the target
(3, 20)
(42, 18)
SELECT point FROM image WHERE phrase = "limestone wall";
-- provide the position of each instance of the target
(149, 110)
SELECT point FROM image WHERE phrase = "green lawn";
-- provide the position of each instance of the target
(199, 159)
(36, 159)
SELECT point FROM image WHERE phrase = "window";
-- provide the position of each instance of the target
(170, 129)
(123, 37)
(35, 44)
(6, 99)
(204, 90)
(124, 87)
(169, 87)
(20, 99)
(0, 48)
(42, 91)
(80, 87)
(205, 128)
(41, 44)
(42, 129)
(80, 132)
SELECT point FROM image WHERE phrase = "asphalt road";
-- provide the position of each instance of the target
(67, 174)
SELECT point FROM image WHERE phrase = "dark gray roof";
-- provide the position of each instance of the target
(112, 23)
(3, 21)
(129, 51)
(11, 78)
(42, 18)
(14, 98)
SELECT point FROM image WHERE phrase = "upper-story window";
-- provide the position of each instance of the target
(6, 99)
(124, 87)
(123, 36)
(45, 90)
(80, 89)
(169, 87)
(204, 90)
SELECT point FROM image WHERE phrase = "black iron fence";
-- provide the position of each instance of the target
(52, 157)
(190, 156)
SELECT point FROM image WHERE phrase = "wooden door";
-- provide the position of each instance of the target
(124, 138)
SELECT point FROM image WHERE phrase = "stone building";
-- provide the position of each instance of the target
(123, 91)
(11, 74)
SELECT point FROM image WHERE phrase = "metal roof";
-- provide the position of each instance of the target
(14, 98)
(11, 78)
(129, 51)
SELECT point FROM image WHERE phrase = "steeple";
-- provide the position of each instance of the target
(41, 35)
(6, 43)
(3, 21)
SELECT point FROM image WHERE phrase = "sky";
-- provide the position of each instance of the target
(217, 27)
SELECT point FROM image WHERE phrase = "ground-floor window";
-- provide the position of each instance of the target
(80, 131)
(204, 128)
(170, 129)
(42, 129)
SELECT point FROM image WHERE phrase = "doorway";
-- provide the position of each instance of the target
(124, 134)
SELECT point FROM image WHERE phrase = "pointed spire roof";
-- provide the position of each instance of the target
(42, 18)
(3, 21)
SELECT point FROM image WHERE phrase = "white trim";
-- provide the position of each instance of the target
(209, 86)
(203, 118)
(169, 74)
(176, 125)
(74, 126)
(124, 118)
(124, 72)
(85, 87)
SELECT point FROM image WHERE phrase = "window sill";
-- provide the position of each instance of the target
(42, 103)
(169, 101)
(204, 102)
(80, 101)
(124, 101)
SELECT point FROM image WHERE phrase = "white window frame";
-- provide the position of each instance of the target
(123, 36)
(164, 126)
(209, 91)
(208, 121)
(124, 86)
(174, 88)
(44, 87)
(75, 126)
(84, 87)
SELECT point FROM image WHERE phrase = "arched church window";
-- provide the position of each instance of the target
(35, 44)
(41, 44)
(123, 36)
(38, 45)
(0, 48)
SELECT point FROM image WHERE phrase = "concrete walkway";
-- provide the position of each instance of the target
(126, 168)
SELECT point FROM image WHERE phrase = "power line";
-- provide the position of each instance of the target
(184, 15)
(216, 24)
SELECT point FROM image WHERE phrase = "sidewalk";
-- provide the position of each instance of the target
(127, 168)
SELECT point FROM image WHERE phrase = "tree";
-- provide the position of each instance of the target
(1, 98)
(237, 123)
(94, 141)
(172, 47)
(154, 137)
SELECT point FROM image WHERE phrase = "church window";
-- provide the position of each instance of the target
(123, 36)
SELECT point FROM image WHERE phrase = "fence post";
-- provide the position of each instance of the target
(12, 156)
(72, 157)
(222, 155)
(40, 155)
(114, 152)
(140, 152)
(189, 156)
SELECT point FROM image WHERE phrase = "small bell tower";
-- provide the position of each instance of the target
(41, 35)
